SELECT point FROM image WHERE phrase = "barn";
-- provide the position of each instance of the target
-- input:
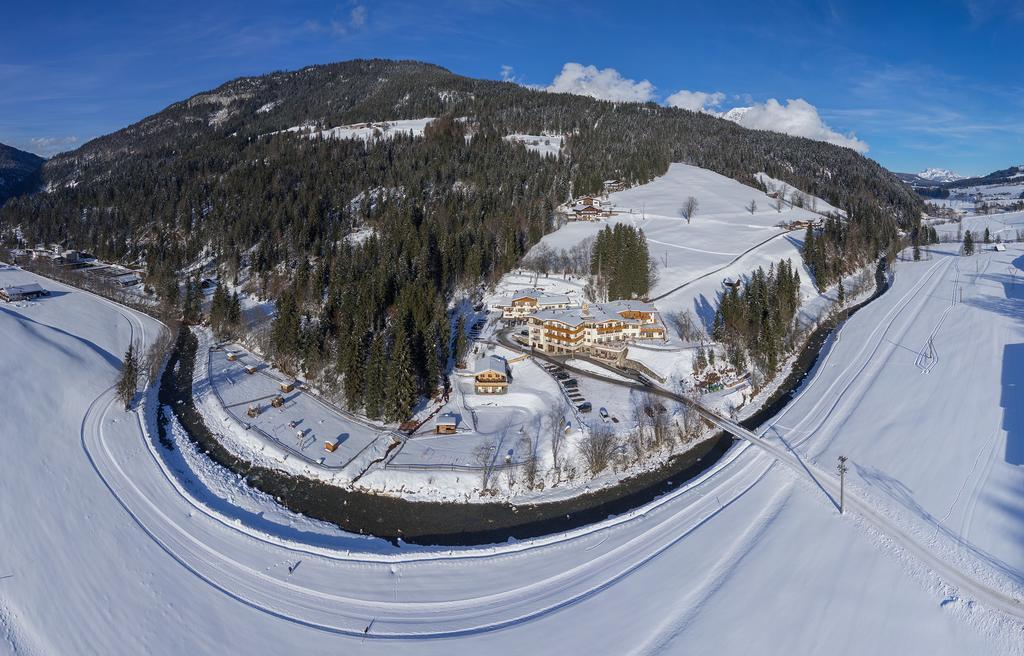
(22, 292)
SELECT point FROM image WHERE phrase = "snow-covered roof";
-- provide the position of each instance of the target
(492, 363)
(597, 313)
(572, 317)
(27, 288)
(542, 297)
(629, 306)
(448, 419)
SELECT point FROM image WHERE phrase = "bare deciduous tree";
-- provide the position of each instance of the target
(689, 208)
(556, 422)
(484, 455)
(751, 206)
(528, 461)
(598, 449)
(780, 202)
(686, 326)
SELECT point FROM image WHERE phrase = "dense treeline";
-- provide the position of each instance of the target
(362, 243)
(759, 321)
(620, 263)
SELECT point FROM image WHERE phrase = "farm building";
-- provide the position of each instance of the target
(22, 292)
(446, 424)
(491, 375)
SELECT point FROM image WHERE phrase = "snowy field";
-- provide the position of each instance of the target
(965, 199)
(365, 131)
(112, 550)
(300, 427)
(1004, 226)
(545, 144)
(720, 233)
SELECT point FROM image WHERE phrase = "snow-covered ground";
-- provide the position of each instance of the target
(109, 549)
(967, 198)
(1005, 226)
(291, 437)
(721, 231)
(365, 131)
(545, 144)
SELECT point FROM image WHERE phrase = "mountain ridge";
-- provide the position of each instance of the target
(19, 171)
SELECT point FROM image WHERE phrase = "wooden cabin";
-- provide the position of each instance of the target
(491, 375)
(447, 423)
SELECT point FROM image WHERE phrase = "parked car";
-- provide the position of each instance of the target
(585, 407)
(604, 413)
(524, 333)
(561, 375)
(570, 382)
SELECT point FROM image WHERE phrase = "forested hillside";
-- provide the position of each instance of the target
(19, 172)
(217, 176)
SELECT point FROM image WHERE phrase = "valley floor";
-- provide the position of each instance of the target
(124, 547)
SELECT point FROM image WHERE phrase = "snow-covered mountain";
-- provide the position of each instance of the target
(940, 175)
(735, 114)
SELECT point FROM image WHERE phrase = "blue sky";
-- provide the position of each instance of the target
(916, 84)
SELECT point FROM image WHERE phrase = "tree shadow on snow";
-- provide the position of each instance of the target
(111, 359)
(1012, 401)
(904, 496)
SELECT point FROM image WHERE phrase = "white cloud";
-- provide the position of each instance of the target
(340, 27)
(508, 73)
(796, 117)
(48, 146)
(358, 16)
(603, 83)
(695, 101)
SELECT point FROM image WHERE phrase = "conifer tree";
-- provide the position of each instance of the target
(219, 308)
(128, 382)
(461, 344)
(376, 377)
(400, 395)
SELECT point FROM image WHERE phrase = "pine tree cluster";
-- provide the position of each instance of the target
(621, 262)
(759, 320)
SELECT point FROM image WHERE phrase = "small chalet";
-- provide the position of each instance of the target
(588, 213)
(22, 292)
(491, 375)
(447, 423)
(613, 185)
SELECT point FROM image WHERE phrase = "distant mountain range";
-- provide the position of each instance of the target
(19, 172)
(932, 182)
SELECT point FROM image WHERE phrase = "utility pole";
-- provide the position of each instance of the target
(841, 467)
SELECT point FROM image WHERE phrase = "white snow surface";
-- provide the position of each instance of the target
(105, 546)
(365, 131)
(545, 144)
(722, 230)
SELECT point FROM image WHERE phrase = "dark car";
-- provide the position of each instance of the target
(585, 407)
